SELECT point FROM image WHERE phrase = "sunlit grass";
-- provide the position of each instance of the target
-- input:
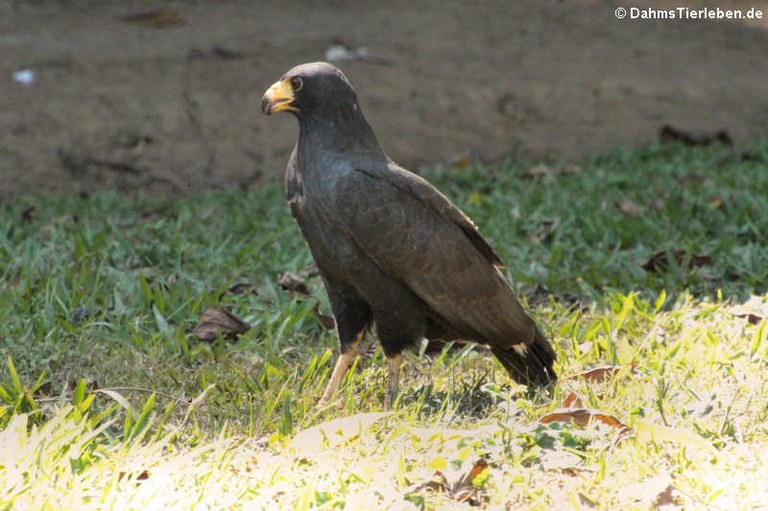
(99, 295)
(695, 401)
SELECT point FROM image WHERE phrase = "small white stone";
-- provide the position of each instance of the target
(24, 76)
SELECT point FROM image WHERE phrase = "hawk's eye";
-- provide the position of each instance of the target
(297, 83)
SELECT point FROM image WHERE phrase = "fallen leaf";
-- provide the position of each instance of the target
(587, 500)
(459, 162)
(753, 310)
(669, 134)
(574, 471)
(752, 318)
(238, 289)
(668, 497)
(219, 321)
(540, 172)
(660, 260)
(155, 279)
(292, 282)
(653, 493)
(158, 18)
(45, 389)
(602, 373)
(581, 417)
(91, 384)
(716, 202)
(328, 322)
(658, 203)
(476, 471)
(435, 346)
(737, 157)
(545, 227)
(439, 483)
(545, 172)
(466, 488)
(538, 295)
(573, 401)
(141, 476)
(27, 214)
(629, 207)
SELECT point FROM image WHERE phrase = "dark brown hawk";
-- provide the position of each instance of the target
(391, 249)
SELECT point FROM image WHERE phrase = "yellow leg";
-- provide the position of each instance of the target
(393, 377)
(342, 366)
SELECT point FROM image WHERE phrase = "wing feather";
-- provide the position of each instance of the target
(418, 236)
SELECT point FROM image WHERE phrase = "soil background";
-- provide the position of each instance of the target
(169, 102)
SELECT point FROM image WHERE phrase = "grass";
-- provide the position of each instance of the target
(635, 259)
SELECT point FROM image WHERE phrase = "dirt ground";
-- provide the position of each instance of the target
(171, 103)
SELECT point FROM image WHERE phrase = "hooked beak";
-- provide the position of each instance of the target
(278, 97)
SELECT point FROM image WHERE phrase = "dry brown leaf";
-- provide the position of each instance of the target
(573, 401)
(141, 476)
(629, 207)
(660, 260)
(540, 172)
(736, 157)
(602, 373)
(752, 318)
(328, 322)
(435, 346)
(654, 493)
(463, 489)
(219, 321)
(438, 484)
(753, 310)
(570, 168)
(292, 282)
(668, 497)
(658, 203)
(587, 500)
(545, 172)
(239, 288)
(669, 134)
(545, 227)
(574, 471)
(27, 215)
(469, 477)
(461, 162)
(158, 18)
(581, 417)
(717, 202)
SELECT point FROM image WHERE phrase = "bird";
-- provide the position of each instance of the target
(393, 252)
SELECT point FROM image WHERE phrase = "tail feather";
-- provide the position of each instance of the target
(529, 365)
